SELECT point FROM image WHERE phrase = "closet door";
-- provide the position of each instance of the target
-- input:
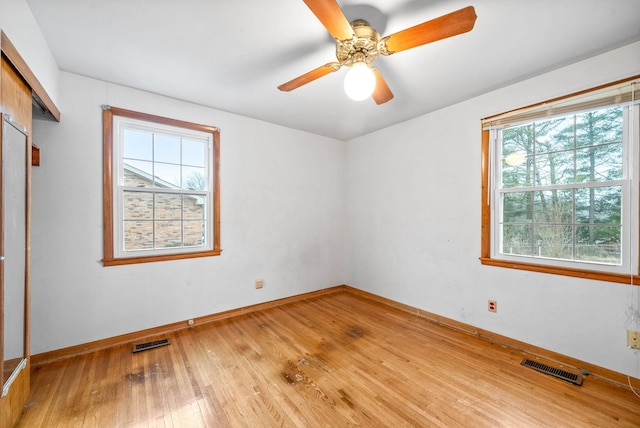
(13, 249)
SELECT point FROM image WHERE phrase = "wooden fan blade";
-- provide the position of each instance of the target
(309, 77)
(382, 93)
(332, 17)
(452, 24)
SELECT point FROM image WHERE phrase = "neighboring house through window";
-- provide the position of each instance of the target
(161, 188)
(561, 185)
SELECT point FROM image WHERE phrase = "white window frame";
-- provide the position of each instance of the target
(629, 203)
(624, 93)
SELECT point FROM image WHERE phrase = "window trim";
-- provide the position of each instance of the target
(486, 220)
(108, 113)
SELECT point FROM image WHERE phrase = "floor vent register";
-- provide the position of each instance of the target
(552, 371)
(150, 345)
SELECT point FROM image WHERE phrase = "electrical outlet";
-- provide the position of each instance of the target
(492, 306)
(259, 283)
(633, 339)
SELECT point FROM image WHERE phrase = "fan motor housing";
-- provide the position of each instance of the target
(361, 48)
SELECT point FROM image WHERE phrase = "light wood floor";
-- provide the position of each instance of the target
(334, 361)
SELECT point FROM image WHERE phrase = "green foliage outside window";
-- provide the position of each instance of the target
(561, 195)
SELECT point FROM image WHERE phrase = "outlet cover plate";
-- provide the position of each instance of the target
(633, 339)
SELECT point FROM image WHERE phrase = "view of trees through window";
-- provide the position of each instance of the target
(562, 186)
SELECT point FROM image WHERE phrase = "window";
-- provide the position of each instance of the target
(560, 186)
(161, 188)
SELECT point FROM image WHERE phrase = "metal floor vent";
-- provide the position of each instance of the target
(150, 345)
(552, 371)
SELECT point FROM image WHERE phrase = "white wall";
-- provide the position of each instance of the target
(282, 212)
(413, 220)
(18, 23)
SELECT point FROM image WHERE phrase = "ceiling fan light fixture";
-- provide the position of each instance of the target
(359, 82)
(358, 44)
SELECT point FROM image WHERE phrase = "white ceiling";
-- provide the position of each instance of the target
(232, 55)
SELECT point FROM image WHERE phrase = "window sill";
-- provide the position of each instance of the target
(576, 273)
(158, 258)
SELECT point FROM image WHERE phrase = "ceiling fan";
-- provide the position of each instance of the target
(358, 45)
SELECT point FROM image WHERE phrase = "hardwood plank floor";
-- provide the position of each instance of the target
(333, 361)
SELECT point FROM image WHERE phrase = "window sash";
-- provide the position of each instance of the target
(154, 220)
(120, 251)
(626, 262)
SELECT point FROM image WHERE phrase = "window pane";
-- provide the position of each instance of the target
(599, 163)
(138, 206)
(599, 244)
(138, 235)
(517, 170)
(137, 145)
(194, 153)
(193, 207)
(137, 173)
(516, 207)
(554, 241)
(167, 175)
(166, 148)
(553, 206)
(517, 138)
(599, 205)
(517, 147)
(194, 178)
(599, 127)
(168, 207)
(517, 239)
(193, 233)
(554, 168)
(168, 234)
(554, 135)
